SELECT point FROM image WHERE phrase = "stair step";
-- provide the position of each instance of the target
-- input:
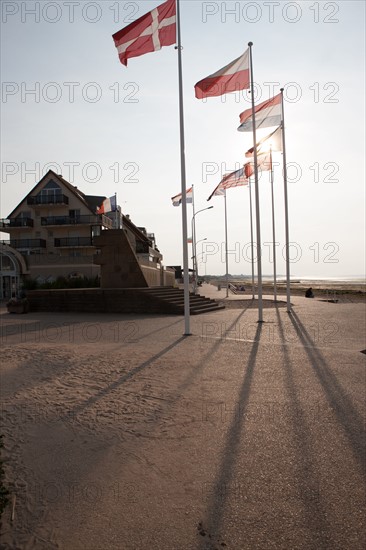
(206, 310)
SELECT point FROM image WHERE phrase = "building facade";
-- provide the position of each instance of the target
(51, 235)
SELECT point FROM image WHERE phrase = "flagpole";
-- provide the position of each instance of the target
(273, 233)
(183, 181)
(287, 244)
(251, 236)
(194, 250)
(226, 249)
(257, 214)
(116, 224)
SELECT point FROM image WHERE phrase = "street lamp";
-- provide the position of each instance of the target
(194, 244)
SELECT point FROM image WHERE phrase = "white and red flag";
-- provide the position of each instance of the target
(271, 142)
(231, 78)
(177, 199)
(233, 179)
(268, 113)
(149, 33)
(264, 163)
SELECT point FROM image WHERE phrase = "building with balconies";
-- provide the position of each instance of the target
(51, 235)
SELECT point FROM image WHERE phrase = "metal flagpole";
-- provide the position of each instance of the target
(257, 216)
(194, 250)
(116, 224)
(286, 209)
(251, 236)
(226, 249)
(273, 232)
(183, 181)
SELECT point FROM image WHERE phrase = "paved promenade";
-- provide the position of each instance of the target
(121, 433)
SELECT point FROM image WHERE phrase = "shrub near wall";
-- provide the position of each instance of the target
(62, 282)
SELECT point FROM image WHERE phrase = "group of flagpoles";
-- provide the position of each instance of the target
(258, 228)
(183, 181)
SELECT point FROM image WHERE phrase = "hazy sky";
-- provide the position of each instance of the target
(68, 104)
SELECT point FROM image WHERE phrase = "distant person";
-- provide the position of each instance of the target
(309, 293)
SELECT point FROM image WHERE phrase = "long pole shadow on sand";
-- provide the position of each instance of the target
(306, 476)
(188, 381)
(217, 502)
(339, 401)
(122, 379)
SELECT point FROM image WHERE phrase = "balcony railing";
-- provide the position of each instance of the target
(16, 222)
(26, 243)
(78, 220)
(73, 242)
(142, 248)
(48, 199)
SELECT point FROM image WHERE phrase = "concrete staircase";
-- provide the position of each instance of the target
(157, 300)
(173, 299)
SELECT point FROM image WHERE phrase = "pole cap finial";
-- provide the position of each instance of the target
(282, 89)
(250, 44)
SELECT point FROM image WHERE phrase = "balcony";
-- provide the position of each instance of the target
(73, 242)
(77, 220)
(16, 222)
(26, 243)
(48, 199)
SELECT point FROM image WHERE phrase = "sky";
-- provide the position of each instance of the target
(68, 104)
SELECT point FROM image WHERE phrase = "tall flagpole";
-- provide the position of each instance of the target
(251, 236)
(226, 249)
(194, 250)
(273, 232)
(183, 182)
(286, 208)
(258, 223)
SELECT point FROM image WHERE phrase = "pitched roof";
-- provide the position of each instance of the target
(88, 200)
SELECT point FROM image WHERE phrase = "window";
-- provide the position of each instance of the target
(25, 214)
(74, 213)
(51, 189)
(95, 230)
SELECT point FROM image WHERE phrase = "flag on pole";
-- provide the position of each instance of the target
(177, 200)
(189, 240)
(267, 114)
(108, 205)
(264, 163)
(231, 78)
(234, 179)
(271, 142)
(149, 33)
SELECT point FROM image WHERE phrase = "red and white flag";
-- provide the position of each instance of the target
(264, 163)
(232, 78)
(234, 179)
(149, 33)
(268, 113)
(177, 199)
(271, 142)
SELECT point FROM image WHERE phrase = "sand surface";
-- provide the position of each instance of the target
(121, 433)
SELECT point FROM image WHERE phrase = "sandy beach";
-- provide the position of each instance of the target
(121, 433)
